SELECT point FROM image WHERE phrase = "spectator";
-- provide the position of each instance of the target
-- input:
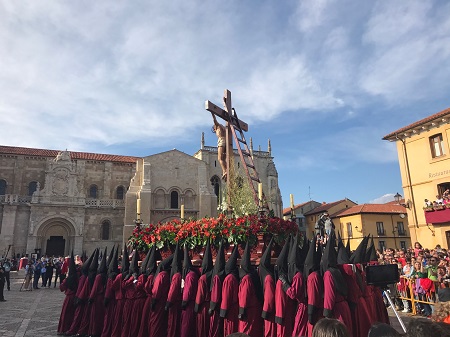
(383, 330)
(417, 248)
(48, 273)
(330, 327)
(7, 266)
(37, 273)
(423, 328)
(29, 271)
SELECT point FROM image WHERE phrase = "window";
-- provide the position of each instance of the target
(403, 244)
(349, 229)
(380, 228)
(120, 192)
(401, 228)
(2, 187)
(381, 245)
(93, 192)
(437, 145)
(174, 199)
(105, 229)
(32, 187)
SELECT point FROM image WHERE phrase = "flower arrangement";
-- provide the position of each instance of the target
(195, 233)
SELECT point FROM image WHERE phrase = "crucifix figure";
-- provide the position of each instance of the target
(220, 132)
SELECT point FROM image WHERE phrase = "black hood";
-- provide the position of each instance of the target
(155, 255)
(87, 264)
(93, 267)
(134, 265)
(313, 257)
(145, 262)
(113, 267)
(265, 266)
(207, 262)
(176, 262)
(125, 262)
(187, 263)
(371, 254)
(347, 247)
(329, 263)
(342, 256)
(219, 265)
(102, 269)
(359, 255)
(164, 265)
(246, 268)
(72, 277)
(231, 265)
(293, 259)
(281, 264)
(110, 257)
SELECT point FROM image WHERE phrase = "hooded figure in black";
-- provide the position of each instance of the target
(371, 255)
(143, 269)
(72, 277)
(113, 271)
(281, 266)
(125, 266)
(93, 268)
(134, 266)
(103, 269)
(265, 266)
(313, 257)
(359, 255)
(342, 255)
(207, 264)
(188, 267)
(110, 256)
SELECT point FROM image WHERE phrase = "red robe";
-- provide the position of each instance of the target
(158, 317)
(187, 314)
(84, 296)
(79, 309)
(174, 313)
(216, 322)
(381, 310)
(268, 309)
(139, 298)
(146, 311)
(284, 311)
(129, 295)
(249, 305)
(118, 293)
(68, 308)
(201, 307)
(97, 314)
(229, 309)
(358, 307)
(297, 293)
(314, 288)
(335, 303)
(110, 309)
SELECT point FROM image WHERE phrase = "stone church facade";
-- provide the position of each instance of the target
(53, 202)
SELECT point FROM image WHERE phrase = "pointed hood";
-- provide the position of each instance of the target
(72, 277)
(187, 263)
(134, 266)
(154, 255)
(347, 247)
(102, 269)
(164, 265)
(293, 259)
(313, 257)
(207, 262)
(265, 266)
(281, 265)
(145, 262)
(304, 250)
(93, 268)
(125, 262)
(342, 256)
(177, 261)
(231, 265)
(359, 255)
(87, 264)
(111, 255)
(219, 265)
(329, 263)
(371, 254)
(113, 267)
(246, 268)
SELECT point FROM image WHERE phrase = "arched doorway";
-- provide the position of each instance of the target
(56, 237)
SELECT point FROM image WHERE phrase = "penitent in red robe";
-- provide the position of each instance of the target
(229, 308)
(381, 310)
(158, 317)
(252, 322)
(146, 311)
(335, 303)
(118, 293)
(139, 297)
(110, 309)
(174, 312)
(284, 311)
(216, 322)
(201, 307)
(188, 326)
(68, 308)
(268, 309)
(84, 296)
(297, 293)
(97, 314)
(314, 288)
(79, 310)
(128, 292)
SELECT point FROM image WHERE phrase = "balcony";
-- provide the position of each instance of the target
(437, 215)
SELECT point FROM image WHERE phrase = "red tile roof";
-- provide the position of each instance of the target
(24, 151)
(287, 211)
(441, 114)
(325, 207)
(371, 208)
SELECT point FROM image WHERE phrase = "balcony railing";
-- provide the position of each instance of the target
(25, 199)
(402, 233)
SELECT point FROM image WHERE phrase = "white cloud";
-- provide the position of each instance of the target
(383, 199)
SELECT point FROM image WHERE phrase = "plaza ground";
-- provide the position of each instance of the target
(36, 313)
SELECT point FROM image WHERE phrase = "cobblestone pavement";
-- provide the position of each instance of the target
(36, 313)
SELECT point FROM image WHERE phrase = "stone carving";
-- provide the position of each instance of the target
(60, 185)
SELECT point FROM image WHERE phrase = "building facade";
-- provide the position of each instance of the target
(54, 202)
(423, 151)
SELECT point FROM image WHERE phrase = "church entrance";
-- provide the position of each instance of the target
(55, 246)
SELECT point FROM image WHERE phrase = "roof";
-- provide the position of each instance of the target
(287, 210)
(325, 207)
(25, 151)
(425, 123)
(372, 209)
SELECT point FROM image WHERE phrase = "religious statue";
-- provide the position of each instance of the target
(220, 132)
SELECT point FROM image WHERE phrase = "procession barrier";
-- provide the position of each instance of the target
(406, 290)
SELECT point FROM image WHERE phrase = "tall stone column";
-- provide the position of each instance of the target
(8, 224)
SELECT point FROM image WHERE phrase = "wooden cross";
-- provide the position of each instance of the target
(227, 115)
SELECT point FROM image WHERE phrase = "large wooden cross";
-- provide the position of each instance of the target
(227, 115)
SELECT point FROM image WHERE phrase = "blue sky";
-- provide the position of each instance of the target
(324, 80)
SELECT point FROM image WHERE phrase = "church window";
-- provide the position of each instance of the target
(93, 190)
(174, 199)
(120, 191)
(2, 187)
(32, 187)
(105, 230)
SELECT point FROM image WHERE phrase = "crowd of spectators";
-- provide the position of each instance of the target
(441, 200)
(46, 269)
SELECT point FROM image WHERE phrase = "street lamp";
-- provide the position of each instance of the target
(398, 197)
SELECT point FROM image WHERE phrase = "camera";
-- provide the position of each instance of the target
(382, 275)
